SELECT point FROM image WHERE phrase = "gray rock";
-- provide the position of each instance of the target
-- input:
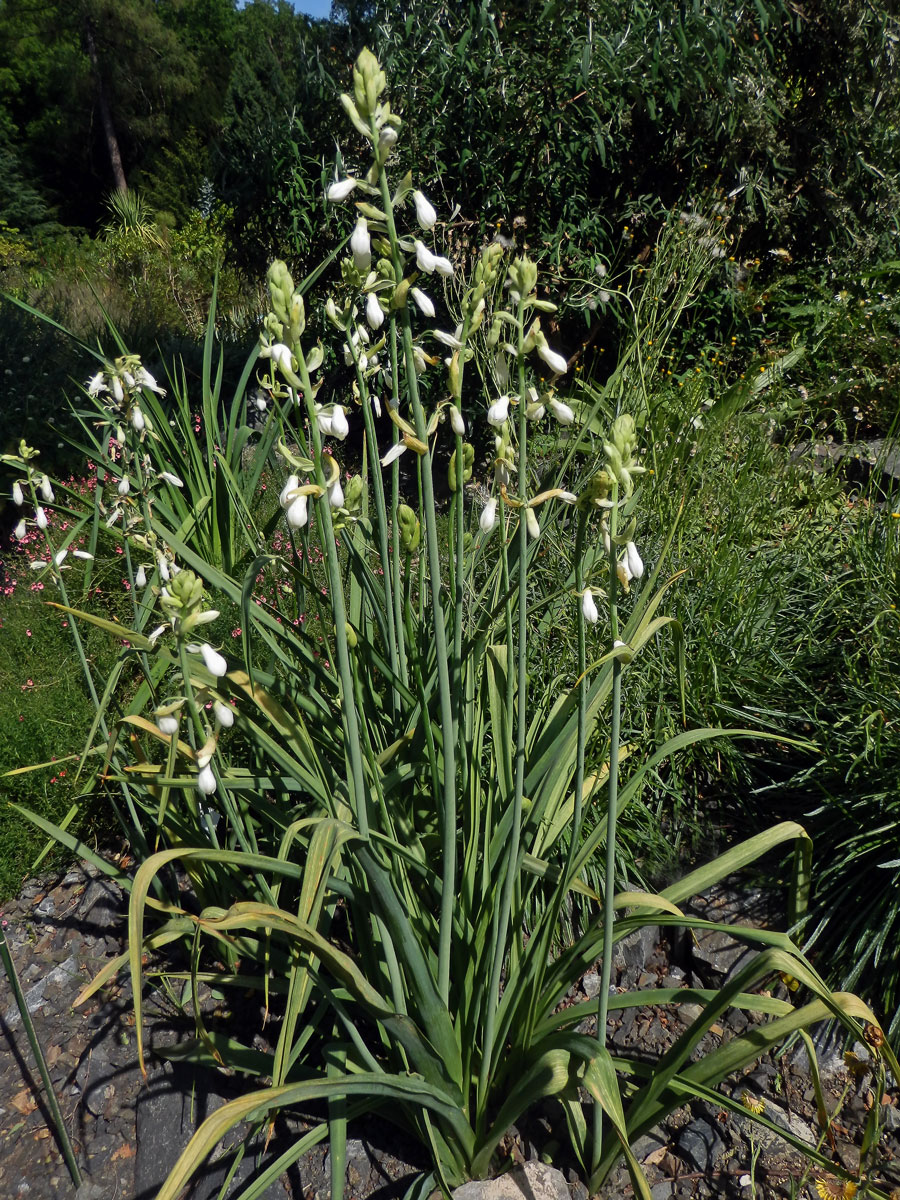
(634, 952)
(533, 1181)
(663, 1190)
(701, 1143)
(34, 997)
(169, 1110)
(591, 984)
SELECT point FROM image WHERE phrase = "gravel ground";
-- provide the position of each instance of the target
(127, 1133)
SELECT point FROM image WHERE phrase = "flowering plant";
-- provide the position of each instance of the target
(400, 839)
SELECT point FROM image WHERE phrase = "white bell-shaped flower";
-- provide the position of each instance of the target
(425, 214)
(424, 302)
(341, 189)
(215, 663)
(589, 608)
(488, 518)
(361, 245)
(297, 512)
(634, 560)
(498, 413)
(561, 411)
(554, 361)
(339, 426)
(374, 311)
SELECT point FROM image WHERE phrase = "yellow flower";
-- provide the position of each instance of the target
(754, 1104)
(830, 1188)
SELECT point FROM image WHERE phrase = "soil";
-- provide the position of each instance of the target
(127, 1132)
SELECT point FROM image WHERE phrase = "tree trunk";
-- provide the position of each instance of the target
(109, 130)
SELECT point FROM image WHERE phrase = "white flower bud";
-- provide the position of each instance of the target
(498, 413)
(224, 714)
(374, 311)
(215, 663)
(425, 305)
(40, 518)
(341, 189)
(339, 426)
(83, 554)
(387, 137)
(38, 564)
(172, 479)
(19, 531)
(443, 266)
(17, 494)
(634, 560)
(554, 361)
(118, 390)
(361, 246)
(206, 781)
(167, 725)
(137, 420)
(488, 518)
(457, 424)
(156, 634)
(336, 495)
(561, 411)
(534, 530)
(425, 214)
(124, 486)
(46, 489)
(140, 577)
(60, 557)
(589, 609)
(297, 512)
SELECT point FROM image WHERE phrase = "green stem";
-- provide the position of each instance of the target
(349, 715)
(511, 873)
(612, 805)
(64, 1144)
(447, 708)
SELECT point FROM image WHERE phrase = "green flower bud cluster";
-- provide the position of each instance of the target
(181, 600)
(410, 529)
(620, 452)
(366, 109)
(468, 461)
(287, 303)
